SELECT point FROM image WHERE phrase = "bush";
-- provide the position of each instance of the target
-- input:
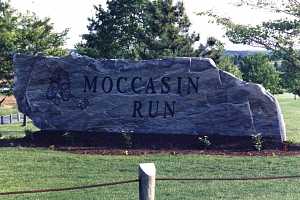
(227, 64)
(127, 139)
(259, 69)
(257, 141)
(204, 142)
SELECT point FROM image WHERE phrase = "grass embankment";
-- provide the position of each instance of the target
(22, 169)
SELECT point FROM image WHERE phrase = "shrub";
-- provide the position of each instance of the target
(257, 141)
(204, 142)
(127, 139)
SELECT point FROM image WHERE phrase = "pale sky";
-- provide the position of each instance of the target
(73, 14)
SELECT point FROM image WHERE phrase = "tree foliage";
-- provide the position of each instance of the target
(259, 69)
(21, 33)
(138, 29)
(291, 78)
(227, 64)
(281, 36)
(213, 49)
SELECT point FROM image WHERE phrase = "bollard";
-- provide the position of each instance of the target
(10, 118)
(147, 173)
(18, 117)
(24, 120)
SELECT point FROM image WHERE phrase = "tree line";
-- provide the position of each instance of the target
(147, 29)
(279, 36)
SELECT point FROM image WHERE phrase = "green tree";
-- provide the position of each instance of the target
(291, 78)
(21, 33)
(281, 36)
(8, 35)
(138, 29)
(213, 49)
(36, 36)
(227, 64)
(172, 30)
(259, 69)
(118, 32)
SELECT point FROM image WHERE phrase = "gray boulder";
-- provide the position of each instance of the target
(166, 96)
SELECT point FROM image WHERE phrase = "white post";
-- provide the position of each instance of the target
(147, 173)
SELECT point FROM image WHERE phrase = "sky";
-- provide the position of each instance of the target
(73, 14)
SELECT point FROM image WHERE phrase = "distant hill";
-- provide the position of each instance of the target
(243, 53)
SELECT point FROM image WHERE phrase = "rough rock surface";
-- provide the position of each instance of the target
(175, 96)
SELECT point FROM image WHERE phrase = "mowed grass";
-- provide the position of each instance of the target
(291, 114)
(25, 169)
(16, 130)
(7, 111)
(17, 127)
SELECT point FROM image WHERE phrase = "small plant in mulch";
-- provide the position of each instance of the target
(257, 141)
(204, 142)
(127, 139)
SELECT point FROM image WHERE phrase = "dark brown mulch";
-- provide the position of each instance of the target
(99, 151)
(142, 144)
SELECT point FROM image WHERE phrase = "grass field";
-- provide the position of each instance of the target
(17, 127)
(291, 114)
(23, 168)
(7, 111)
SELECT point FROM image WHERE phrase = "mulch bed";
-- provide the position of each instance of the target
(142, 144)
(99, 151)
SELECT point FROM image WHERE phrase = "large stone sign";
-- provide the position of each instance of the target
(168, 96)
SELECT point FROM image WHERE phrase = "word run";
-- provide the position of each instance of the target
(138, 85)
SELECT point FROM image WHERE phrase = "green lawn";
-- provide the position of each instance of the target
(18, 127)
(16, 130)
(291, 114)
(7, 111)
(22, 169)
